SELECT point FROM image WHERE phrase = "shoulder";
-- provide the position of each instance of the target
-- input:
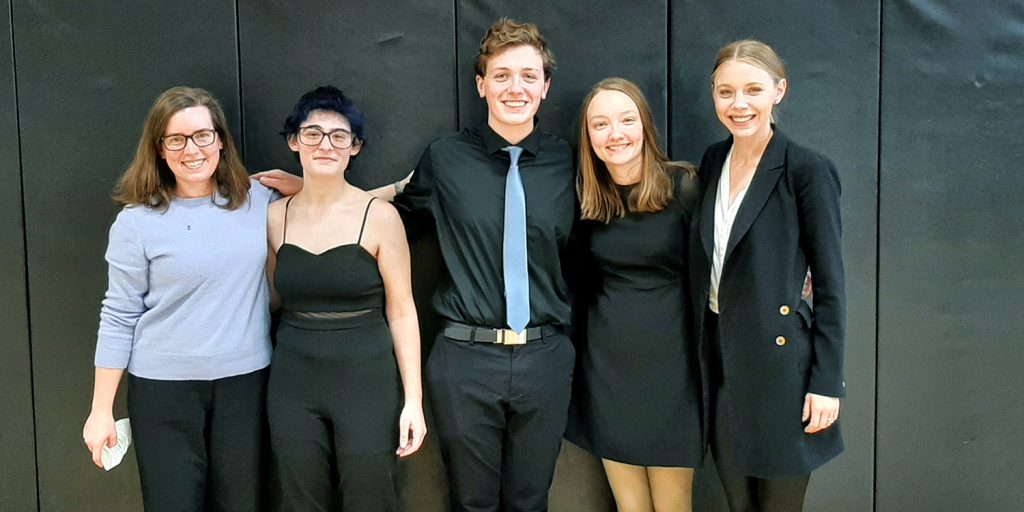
(260, 193)
(381, 212)
(808, 165)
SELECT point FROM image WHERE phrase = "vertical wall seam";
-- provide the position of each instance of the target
(241, 104)
(878, 255)
(24, 241)
(455, 68)
(669, 76)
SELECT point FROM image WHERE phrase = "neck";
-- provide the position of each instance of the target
(189, 190)
(324, 189)
(627, 174)
(514, 134)
(752, 147)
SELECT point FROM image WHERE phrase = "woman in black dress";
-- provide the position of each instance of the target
(636, 401)
(770, 212)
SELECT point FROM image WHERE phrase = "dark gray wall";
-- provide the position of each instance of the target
(914, 102)
(950, 413)
(17, 429)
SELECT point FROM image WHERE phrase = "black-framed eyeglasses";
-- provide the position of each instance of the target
(177, 141)
(313, 135)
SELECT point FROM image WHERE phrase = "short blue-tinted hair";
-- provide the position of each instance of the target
(327, 98)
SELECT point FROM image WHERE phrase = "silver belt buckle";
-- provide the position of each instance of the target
(510, 337)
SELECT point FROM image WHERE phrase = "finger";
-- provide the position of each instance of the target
(112, 440)
(807, 408)
(97, 453)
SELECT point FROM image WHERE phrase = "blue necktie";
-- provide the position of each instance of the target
(513, 251)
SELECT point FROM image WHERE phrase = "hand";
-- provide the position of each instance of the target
(99, 431)
(284, 182)
(412, 428)
(820, 411)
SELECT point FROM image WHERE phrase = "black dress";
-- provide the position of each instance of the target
(636, 396)
(334, 393)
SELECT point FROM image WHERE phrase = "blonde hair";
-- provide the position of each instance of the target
(599, 197)
(149, 182)
(506, 33)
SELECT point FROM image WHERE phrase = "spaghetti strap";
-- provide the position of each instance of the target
(284, 228)
(365, 214)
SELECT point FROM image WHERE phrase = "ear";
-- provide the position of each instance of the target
(780, 90)
(355, 149)
(293, 144)
(544, 92)
(480, 86)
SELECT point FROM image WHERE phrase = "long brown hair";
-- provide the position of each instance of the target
(149, 182)
(599, 197)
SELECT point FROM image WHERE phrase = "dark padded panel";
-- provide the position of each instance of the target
(590, 43)
(18, 471)
(950, 301)
(395, 60)
(87, 74)
(831, 51)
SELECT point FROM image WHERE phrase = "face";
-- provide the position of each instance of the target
(193, 166)
(514, 87)
(744, 96)
(616, 131)
(324, 158)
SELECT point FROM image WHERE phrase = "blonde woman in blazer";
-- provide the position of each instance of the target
(773, 363)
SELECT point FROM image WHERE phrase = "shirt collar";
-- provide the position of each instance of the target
(494, 142)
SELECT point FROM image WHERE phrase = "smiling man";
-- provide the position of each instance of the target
(501, 196)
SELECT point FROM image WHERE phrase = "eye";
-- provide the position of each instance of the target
(724, 93)
(598, 125)
(530, 77)
(629, 120)
(501, 77)
(756, 89)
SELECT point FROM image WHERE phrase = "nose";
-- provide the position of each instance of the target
(517, 83)
(739, 102)
(325, 143)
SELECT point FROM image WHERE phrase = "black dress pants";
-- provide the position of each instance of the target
(199, 443)
(501, 412)
(744, 493)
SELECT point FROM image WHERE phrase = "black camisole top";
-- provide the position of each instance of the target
(344, 278)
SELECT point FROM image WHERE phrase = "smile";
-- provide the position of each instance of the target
(194, 164)
(615, 148)
(742, 119)
(515, 103)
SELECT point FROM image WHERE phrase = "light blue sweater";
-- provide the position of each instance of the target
(187, 297)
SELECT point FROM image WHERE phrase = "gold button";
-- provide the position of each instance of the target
(783, 310)
(780, 341)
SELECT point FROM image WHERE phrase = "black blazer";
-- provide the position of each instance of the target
(774, 347)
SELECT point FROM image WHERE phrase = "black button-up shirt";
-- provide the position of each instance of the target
(459, 188)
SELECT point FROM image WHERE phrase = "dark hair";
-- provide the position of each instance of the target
(507, 33)
(149, 182)
(327, 98)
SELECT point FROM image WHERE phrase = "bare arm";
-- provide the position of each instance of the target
(99, 428)
(389, 191)
(393, 263)
(286, 183)
(275, 238)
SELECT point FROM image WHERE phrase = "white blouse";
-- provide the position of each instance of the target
(725, 214)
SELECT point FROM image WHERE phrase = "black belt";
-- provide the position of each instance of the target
(472, 333)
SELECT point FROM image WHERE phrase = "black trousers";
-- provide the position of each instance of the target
(199, 443)
(333, 404)
(501, 412)
(743, 492)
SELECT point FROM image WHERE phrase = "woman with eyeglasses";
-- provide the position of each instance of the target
(186, 313)
(345, 387)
